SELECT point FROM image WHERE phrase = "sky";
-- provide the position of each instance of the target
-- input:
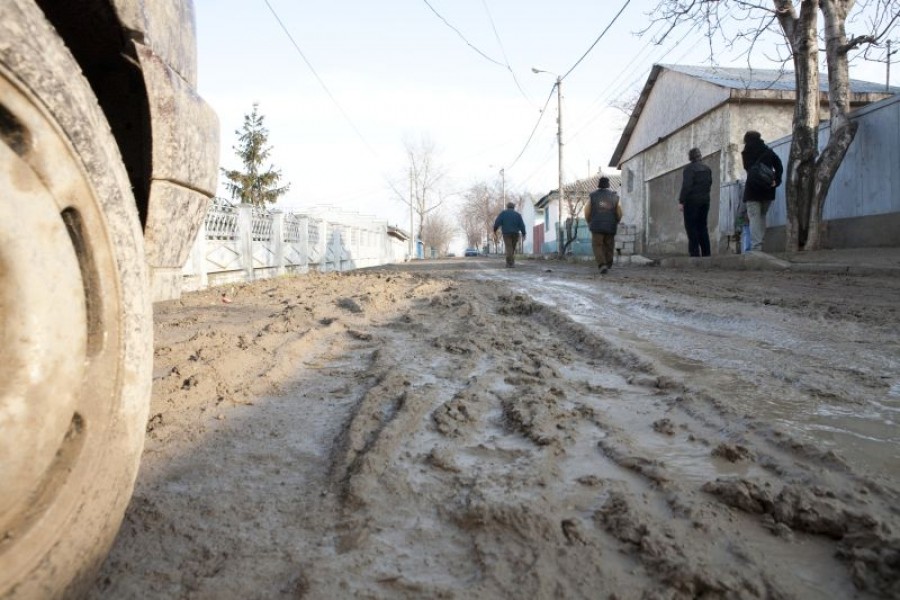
(344, 85)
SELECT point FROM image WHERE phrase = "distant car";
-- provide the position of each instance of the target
(471, 252)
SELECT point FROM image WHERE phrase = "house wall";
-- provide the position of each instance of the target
(632, 197)
(772, 119)
(665, 221)
(530, 216)
(718, 134)
(551, 225)
(675, 99)
(863, 205)
(668, 155)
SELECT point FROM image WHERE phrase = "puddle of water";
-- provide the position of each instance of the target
(778, 362)
(633, 410)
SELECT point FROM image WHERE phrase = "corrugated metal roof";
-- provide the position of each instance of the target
(582, 188)
(756, 81)
(766, 79)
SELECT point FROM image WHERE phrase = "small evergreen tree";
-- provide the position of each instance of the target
(253, 185)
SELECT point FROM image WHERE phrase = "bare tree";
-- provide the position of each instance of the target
(577, 195)
(437, 232)
(425, 174)
(729, 23)
(627, 104)
(481, 205)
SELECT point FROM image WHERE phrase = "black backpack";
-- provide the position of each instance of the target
(760, 175)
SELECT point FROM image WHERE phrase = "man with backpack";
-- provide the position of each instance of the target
(764, 170)
(603, 213)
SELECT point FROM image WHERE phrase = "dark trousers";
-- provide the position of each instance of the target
(510, 240)
(604, 247)
(695, 225)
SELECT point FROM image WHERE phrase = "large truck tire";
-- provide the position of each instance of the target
(75, 319)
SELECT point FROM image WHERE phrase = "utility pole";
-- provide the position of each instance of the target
(503, 185)
(412, 240)
(559, 138)
(562, 193)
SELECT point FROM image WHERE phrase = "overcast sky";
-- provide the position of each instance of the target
(342, 84)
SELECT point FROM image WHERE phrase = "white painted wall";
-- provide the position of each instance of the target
(675, 99)
(721, 129)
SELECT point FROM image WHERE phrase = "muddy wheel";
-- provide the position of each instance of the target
(75, 327)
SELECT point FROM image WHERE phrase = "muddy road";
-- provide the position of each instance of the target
(454, 429)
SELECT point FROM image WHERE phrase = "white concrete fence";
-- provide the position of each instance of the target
(239, 243)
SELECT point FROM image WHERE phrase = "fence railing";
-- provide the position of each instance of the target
(239, 243)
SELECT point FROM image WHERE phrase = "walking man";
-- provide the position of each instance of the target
(603, 213)
(694, 203)
(510, 224)
(759, 197)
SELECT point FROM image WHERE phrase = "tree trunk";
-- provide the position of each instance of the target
(801, 167)
(842, 129)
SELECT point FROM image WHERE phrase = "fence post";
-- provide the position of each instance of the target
(278, 240)
(245, 238)
(198, 258)
(324, 241)
(303, 242)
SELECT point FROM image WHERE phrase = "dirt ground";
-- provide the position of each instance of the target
(454, 429)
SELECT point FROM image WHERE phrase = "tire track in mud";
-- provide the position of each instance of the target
(248, 397)
(455, 395)
(802, 488)
(444, 438)
(513, 440)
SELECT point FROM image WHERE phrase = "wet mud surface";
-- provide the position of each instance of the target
(454, 429)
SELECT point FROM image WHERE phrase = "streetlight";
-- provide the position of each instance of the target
(559, 140)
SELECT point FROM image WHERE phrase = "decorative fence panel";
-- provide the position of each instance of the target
(241, 243)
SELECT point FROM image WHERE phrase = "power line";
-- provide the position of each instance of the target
(530, 137)
(629, 84)
(503, 50)
(599, 37)
(505, 64)
(559, 80)
(461, 36)
(611, 84)
(330, 95)
(316, 75)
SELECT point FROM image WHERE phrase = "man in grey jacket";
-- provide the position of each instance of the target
(510, 224)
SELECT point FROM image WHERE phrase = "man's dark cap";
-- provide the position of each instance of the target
(510, 205)
(603, 183)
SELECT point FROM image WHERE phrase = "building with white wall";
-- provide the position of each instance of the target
(682, 107)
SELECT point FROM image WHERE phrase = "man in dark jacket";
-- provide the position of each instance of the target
(603, 213)
(758, 199)
(694, 203)
(510, 224)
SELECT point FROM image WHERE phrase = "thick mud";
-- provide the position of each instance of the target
(455, 429)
